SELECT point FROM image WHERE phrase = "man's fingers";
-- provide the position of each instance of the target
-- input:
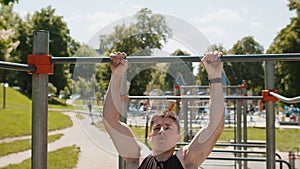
(117, 57)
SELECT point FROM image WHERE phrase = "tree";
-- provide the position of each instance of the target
(83, 75)
(8, 40)
(138, 39)
(288, 41)
(61, 43)
(175, 69)
(8, 2)
(251, 72)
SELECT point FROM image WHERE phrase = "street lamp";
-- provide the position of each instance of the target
(5, 85)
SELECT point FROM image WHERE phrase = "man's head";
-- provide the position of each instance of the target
(165, 131)
(167, 114)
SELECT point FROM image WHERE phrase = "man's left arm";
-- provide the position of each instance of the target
(204, 141)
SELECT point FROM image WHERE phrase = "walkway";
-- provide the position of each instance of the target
(93, 144)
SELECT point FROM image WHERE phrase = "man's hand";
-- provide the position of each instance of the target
(119, 63)
(213, 64)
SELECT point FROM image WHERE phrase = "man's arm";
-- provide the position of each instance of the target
(122, 136)
(203, 142)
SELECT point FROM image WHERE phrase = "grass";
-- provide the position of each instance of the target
(286, 139)
(63, 158)
(22, 145)
(16, 121)
(16, 117)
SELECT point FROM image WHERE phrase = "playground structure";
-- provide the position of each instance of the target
(40, 64)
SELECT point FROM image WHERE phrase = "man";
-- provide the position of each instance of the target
(164, 125)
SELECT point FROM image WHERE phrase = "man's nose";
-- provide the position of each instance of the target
(162, 130)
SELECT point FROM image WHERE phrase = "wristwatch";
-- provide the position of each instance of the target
(215, 80)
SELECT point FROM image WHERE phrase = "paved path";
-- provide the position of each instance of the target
(93, 152)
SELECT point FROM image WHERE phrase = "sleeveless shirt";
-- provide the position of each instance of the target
(151, 163)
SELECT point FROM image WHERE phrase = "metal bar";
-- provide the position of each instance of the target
(123, 115)
(285, 99)
(196, 97)
(249, 159)
(176, 59)
(230, 144)
(17, 66)
(206, 87)
(239, 130)
(244, 113)
(40, 105)
(270, 116)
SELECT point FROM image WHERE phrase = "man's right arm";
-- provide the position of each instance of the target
(121, 135)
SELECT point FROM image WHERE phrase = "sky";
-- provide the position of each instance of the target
(217, 21)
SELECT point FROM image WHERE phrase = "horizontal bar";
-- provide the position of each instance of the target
(195, 97)
(178, 59)
(245, 159)
(229, 144)
(17, 66)
(206, 87)
(285, 99)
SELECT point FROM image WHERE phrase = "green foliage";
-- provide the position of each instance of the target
(138, 39)
(252, 72)
(51, 88)
(287, 73)
(8, 2)
(288, 41)
(173, 70)
(84, 75)
(61, 43)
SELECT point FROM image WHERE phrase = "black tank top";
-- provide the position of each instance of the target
(151, 163)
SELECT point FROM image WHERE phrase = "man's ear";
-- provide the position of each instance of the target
(179, 137)
(149, 136)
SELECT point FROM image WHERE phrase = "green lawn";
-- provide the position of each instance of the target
(22, 145)
(63, 158)
(16, 117)
(16, 121)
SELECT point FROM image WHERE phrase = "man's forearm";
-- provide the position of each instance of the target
(112, 100)
(216, 113)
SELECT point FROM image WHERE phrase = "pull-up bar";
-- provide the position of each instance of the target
(176, 59)
(152, 59)
(17, 66)
(195, 97)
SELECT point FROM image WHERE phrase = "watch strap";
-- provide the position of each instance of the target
(215, 80)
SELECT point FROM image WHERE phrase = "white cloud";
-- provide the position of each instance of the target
(214, 32)
(100, 19)
(222, 15)
(256, 24)
(73, 17)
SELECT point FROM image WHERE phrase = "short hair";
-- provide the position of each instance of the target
(167, 114)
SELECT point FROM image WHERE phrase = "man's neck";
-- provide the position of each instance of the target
(164, 155)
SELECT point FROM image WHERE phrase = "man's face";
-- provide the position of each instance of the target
(164, 134)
